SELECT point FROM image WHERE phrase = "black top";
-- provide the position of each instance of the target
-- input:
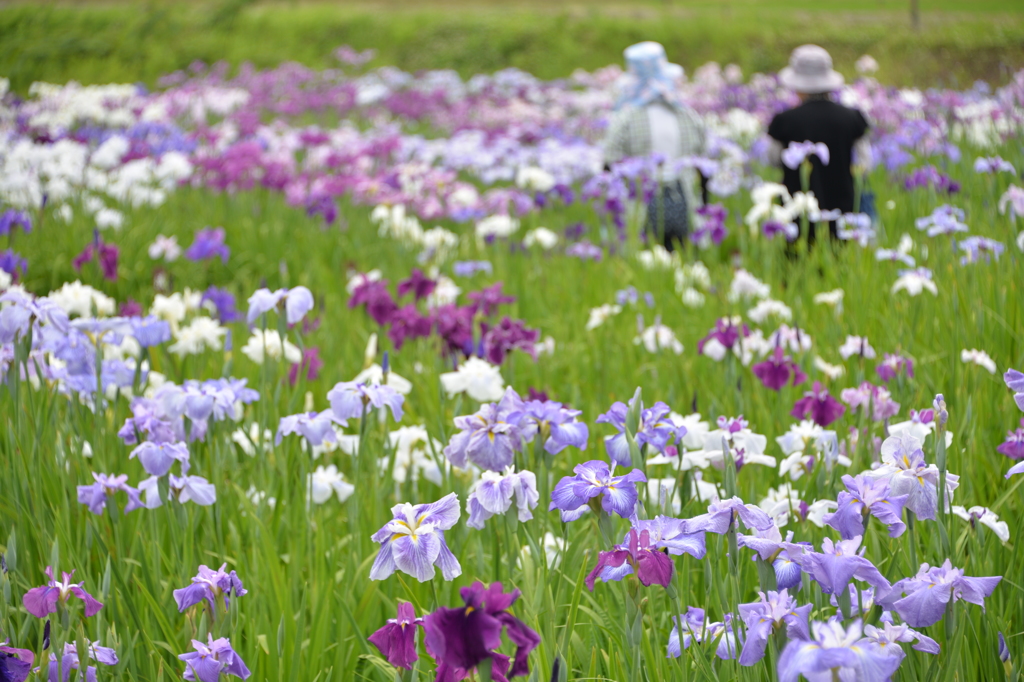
(839, 128)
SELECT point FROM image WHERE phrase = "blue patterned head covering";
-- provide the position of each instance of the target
(650, 77)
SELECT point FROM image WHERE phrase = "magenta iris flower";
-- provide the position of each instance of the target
(817, 404)
(832, 651)
(1013, 446)
(310, 366)
(378, 301)
(506, 336)
(655, 430)
(594, 479)
(211, 586)
(778, 370)
(928, 592)
(211, 660)
(464, 637)
(105, 254)
(487, 300)
(866, 496)
(491, 437)
(95, 496)
(408, 323)
(397, 639)
(726, 333)
(42, 601)
(413, 541)
(208, 244)
(637, 556)
(773, 611)
(418, 284)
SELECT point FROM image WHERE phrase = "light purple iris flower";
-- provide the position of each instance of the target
(95, 495)
(1015, 382)
(889, 636)
(868, 395)
(650, 566)
(894, 364)
(314, 427)
(764, 617)
(193, 489)
(903, 463)
(655, 430)
(41, 601)
(349, 399)
(413, 541)
(150, 331)
(817, 404)
(723, 515)
(468, 268)
(797, 152)
(618, 493)
(209, 661)
(766, 542)
(297, 302)
(208, 244)
(557, 425)
(864, 496)
(16, 318)
(210, 585)
(862, 600)
(494, 493)
(834, 652)
(397, 639)
(928, 592)
(157, 458)
(1013, 446)
(491, 437)
(837, 564)
(696, 629)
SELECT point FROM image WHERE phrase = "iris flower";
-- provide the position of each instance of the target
(636, 556)
(656, 430)
(397, 639)
(928, 592)
(413, 541)
(773, 611)
(865, 496)
(491, 437)
(210, 660)
(594, 479)
(834, 652)
(41, 601)
(210, 585)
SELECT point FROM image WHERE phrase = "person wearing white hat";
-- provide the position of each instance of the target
(651, 118)
(819, 119)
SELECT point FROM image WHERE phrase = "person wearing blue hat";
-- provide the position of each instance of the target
(651, 118)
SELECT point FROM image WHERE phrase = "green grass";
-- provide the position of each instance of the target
(130, 42)
(311, 606)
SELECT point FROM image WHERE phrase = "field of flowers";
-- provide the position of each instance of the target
(353, 374)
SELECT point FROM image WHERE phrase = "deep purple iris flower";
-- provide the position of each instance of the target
(506, 336)
(397, 639)
(208, 244)
(722, 516)
(491, 437)
(462, 638)
(418, 284)
(655, 430)
(349, 399)
(725, 332)
(454, 324)
(558, 426)
(893, 365)
(413, 541)
(866, 496)
(778, 370)
(636, 556)
(594, 479)
(928, 592)
(710, 225)
(762, 618)
(834, 652)
(15, 664)
(105, 254)
(837, 564)
(95, 495)
(13, 218)
(1013, 446)
(817, 404)
(210, 585)
(487, 300)
(378, 301)
(408, 323)
(42, 601)
(224, 301)
(209, 661)
(13, 264)
(1015, 382)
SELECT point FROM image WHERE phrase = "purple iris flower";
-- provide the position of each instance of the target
(725, 332)
(585, 250)
(817, 404)
(210, 585)
(208, 244)
(95, 495)
(157, 458)
(557, 425)
(636, 556)
(462, 638)
(696, 629)
(506, 336)
(993, 164)
(494, 494)
(224, 302)
(408, 322)
(150, 331)
(418, 284)
(928, 592)
(13, 264)
(655, 430)
(413, 541)
(710, 225)
(909, 474)
(12, 218)
(976, 248)
(349, 400)
(1013, 446)
(834, 652)
(837, 564)
(487, 300)
(468, 268)
(310, 366)
(314, 427)
(723, 515)
(105, 254)
(889, 636)
(797, 152)
(377, 299)
(778, 370)
(893, 365)
(491, 437)
(15, 664)
(397, 639)
(618, 493)
(41, 601)
(772, 228)
(210, 660)
(1015, 382)
(296, 301)
(764, 617)
(69, 661)
(863, 496)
